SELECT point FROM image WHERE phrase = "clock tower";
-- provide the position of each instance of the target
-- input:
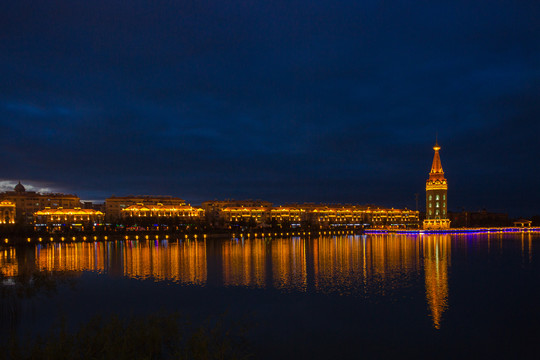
(436, 196)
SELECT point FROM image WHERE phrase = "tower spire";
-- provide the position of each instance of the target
(436, 172)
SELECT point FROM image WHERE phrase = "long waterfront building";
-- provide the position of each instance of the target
(115, 204)
(61, 211)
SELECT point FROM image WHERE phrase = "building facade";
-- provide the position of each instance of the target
(76, 218)
(115, 204)
(392, 218)
(436, 196)
(161, 213)
(7, 212)
(308, 216)
(29, 202)
(223, 213)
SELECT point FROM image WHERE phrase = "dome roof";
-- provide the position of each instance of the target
(19, 187)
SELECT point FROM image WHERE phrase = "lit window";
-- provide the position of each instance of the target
(436, 197)
(444, 197)
(443, 204)
(429, 204)
(437, 204)
(430, 197)
(430, 211)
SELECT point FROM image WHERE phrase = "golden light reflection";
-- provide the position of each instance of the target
(348, 264)
(377, 264)
(436, 251)
(289, 264)
(183, 262)
(244, 262)
(279, 263)
(8, 262)
(71, 257)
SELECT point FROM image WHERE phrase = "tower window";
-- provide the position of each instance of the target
(429, 204)
(430, 197)
(436, 197)
(444, 197)
(430, 211)
(437, 204)
(443, 204)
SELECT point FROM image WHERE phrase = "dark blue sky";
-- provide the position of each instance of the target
(321, 101)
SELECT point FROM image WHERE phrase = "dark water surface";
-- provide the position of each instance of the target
(372, 296)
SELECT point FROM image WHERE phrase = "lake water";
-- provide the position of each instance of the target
(369, 296)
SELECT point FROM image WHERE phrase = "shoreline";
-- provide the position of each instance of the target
(33, 238)
(486, 230)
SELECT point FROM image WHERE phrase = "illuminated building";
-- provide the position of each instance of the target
(288, 214)
(162, 211)
(214, 205)
(328, 215)
(319, 216)
(522, 223)
(115, 204)
(244, 215)
(392, 218)
(325, 215)
(7, 212)
(28, 202)
(222, 212)
(73, 218)
(436, 195)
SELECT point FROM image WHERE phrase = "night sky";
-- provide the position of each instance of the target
(286, 101)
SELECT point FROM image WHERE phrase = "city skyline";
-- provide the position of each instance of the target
(8, 185)
(286, 102)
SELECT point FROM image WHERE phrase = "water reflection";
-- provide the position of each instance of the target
(436, 250)
(8, 263)
(346, 265)
(183, 262)
(243, 263)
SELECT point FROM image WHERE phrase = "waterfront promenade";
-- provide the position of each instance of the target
(174, 236)
(480, 230)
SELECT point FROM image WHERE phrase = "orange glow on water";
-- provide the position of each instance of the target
(436, 251)
(380, 265)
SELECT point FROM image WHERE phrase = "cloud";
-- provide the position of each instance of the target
(9, 185)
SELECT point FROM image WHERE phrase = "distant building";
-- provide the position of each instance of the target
(221, 213)
(392, 218)
(322, 216)
(244, 215)
(216, 205)
(161, 213)
(436, 196)
(115, 204)
(523, 223)
(318, 216)
(60, 218)
(28, 202)
(7, 212)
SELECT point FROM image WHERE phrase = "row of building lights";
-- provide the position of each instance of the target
(147, 237)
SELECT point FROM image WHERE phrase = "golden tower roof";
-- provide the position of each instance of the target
(436, 180)
(436, 172)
